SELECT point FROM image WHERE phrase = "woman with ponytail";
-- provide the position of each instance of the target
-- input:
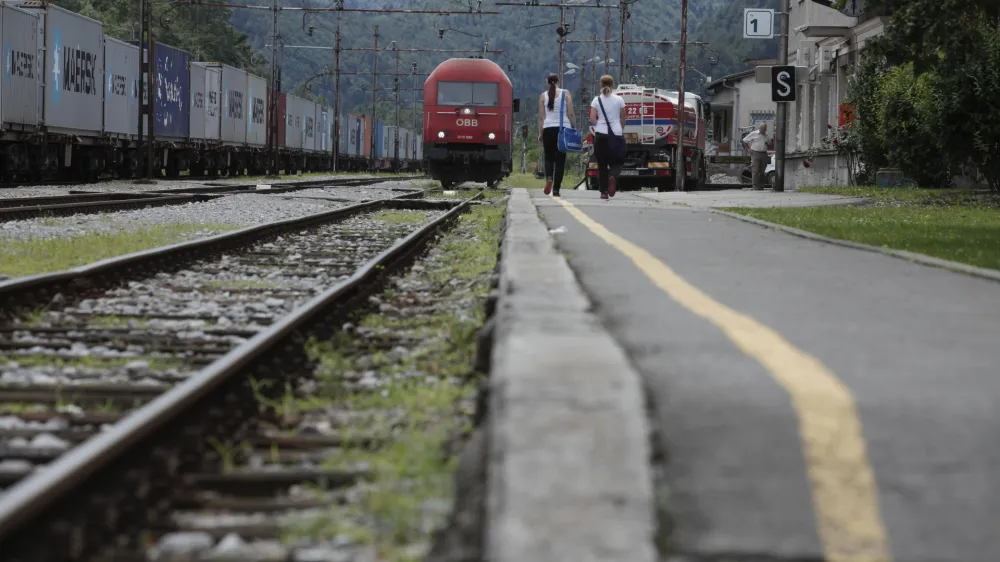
(607, 115)
(550, 107)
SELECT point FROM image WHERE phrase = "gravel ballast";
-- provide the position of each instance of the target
(235, 211)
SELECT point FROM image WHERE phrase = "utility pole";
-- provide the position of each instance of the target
(680, 164)
(336, 98)
(622, 38)
(781, 119)
(275, 87)
(374, 99)
(395, 86)
(607, 41)
(147, 72)
(562, 26)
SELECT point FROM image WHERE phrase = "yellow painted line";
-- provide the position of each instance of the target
(844, 493)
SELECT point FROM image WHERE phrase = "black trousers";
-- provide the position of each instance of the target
(555, 160)
(606, 163)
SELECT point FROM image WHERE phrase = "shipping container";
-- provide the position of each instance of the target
(74, 96)
(390, 141)
(369, 137)
(19, 93)
(121, 110)
(379, 140)
(256, 111)
(234, 106)
(206, 101)
(308, 112)
(356, 138)
(323, 136)
(171, 105)
(293, 122)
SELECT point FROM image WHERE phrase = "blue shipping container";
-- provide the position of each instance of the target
(173, 83)
(379, 140)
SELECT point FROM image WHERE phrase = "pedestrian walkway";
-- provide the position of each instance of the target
(814, 402)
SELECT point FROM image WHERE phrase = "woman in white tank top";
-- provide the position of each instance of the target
(550, 106)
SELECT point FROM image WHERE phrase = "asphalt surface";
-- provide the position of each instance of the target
(915, 346)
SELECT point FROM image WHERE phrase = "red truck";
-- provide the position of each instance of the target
(651, 132)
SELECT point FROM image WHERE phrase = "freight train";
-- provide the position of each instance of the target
(69, 109)
(469, 111)
(651, 128)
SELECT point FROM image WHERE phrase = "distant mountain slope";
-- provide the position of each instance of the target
(522, 32)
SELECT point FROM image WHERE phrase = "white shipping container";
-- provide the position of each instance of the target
(293, 122)
(256, 111)
(308, 111)
(233, 129)
(121, 108)
(22, 68)
(74, 72)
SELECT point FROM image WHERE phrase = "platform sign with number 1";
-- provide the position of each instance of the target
(758, 24)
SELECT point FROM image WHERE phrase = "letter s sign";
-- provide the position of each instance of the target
(782, 84)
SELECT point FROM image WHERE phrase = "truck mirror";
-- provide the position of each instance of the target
(516, 106)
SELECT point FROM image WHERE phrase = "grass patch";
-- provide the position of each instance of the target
(419, 415)
(401, 217)
(529, 181)
(29, 257)
(954, 224)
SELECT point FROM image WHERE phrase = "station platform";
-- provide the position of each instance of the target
(667, 375)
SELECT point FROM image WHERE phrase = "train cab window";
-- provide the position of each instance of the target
(484, 94)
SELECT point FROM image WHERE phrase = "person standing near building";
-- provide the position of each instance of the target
(757, 140)
(550, 106)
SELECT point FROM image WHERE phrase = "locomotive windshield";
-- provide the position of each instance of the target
(484, 94)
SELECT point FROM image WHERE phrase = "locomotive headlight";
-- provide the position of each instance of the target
(440, 134)
(492, 136)
(466, 111)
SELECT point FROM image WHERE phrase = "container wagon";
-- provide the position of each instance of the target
(70, 99)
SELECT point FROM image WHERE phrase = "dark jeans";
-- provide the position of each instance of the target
(605, 161)
(555, 161)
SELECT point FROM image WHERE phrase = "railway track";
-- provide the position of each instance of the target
(76, 202)
(164, 352)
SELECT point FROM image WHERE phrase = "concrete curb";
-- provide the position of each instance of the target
(569, 476)
(914, 257)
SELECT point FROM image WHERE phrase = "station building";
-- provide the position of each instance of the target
(827, 43)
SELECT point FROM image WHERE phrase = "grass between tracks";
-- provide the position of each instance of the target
(953, 224)
(28, 257)
(425, 399)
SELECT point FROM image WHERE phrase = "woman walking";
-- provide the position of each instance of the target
(550, 106)
(607, 115)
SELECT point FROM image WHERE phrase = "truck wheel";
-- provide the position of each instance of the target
(771, 178)
(665, 185)
(592, 184)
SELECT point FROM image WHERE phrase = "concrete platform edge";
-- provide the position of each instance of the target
(569, 476)
(922, 259)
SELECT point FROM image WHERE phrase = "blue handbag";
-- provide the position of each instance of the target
(570, 140)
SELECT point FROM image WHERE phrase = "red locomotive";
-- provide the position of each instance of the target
(468, 120)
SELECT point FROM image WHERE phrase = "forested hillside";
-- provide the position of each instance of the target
(529, 44)
(204, 32)
(527, 35)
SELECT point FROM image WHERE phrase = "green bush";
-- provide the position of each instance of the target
(908, 125)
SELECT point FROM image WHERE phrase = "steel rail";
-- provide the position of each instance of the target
(34, 290)
(285, 187)
(73, 197)
(69, 208)
(40, 491)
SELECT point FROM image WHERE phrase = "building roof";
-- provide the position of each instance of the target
(738, 76)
